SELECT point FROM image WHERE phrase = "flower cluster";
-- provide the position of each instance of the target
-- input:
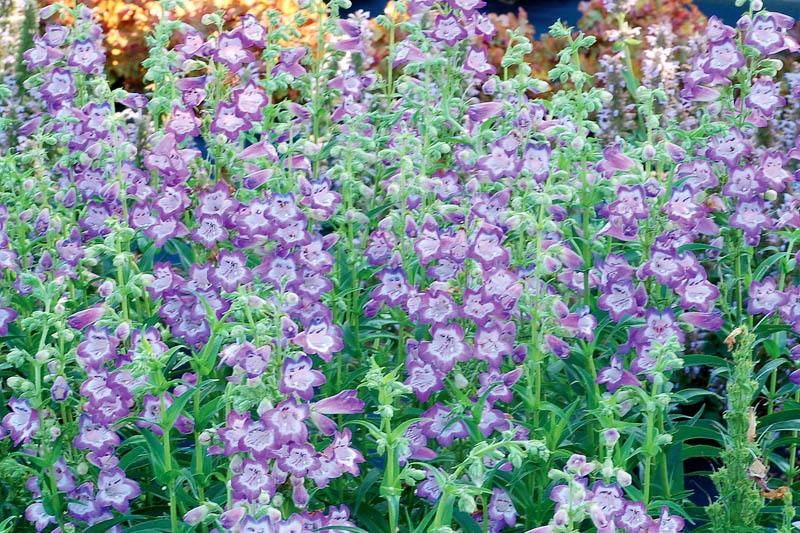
(291, 288)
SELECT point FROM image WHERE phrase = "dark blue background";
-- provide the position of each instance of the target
(542, 13)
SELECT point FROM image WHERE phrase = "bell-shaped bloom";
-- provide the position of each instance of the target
(633, 517)
(298, 376)
(288, 421)
(21, 422)
(231, 51)
(766, 35)
(251, 482)
(615, 376)
(321, 338)
(116, 490)
(501, 508)
(447, 346)
(765, 297)
(424, 379)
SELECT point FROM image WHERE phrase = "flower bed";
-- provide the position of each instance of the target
(327, 287)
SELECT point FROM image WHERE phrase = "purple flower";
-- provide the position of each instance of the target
(477, 62)
(192, 90)
(60, 390)
(35, 513)
(183, 123)
(766, 35)
(94, 436)
(443, 426)
(321, 338)
(723, 58)
(492, 343)
(716, 31)
(486, 246)
(289, 62)
(252, 33)
(7, 316)
(609, 498)
(765, 297)
(55, 34)
(615, 376)
(728, 147)
(231, 51)
(500, 162)
(742, 183)
(41, 55)
(59, 86)
(424, 379)
(764, 95)
(210, 231)
(771, 171)
(299, 460)
(22, 422)
(498, 385)
(86, 55)
(447, 29)
(447, 346)
(231, 271)
(253, 360)
(288, 421)
(696, 291)
(709, 321)
(559, 347)
(193, 41)
(253, 479)
(750, 218)
(668, 523)
(536, 160)
(466, 6)
(98, 347)
(620, 298)
(250, 100)
(299, 377)
(229, 120)
(633, 517)
(84, 318)
(613, 160)
(501, 508)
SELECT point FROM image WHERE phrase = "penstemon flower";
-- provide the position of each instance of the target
(395, 278)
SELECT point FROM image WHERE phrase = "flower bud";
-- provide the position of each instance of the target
(122, 331)
(47, 12)
(770, 195)
(55, 432)
(42, 356)
(649, 152)
(205, 438)
(623, 478)
(577, 143)
(60, 390)
(460, 381)
(196, 515)
(292, 298)
(611, 436)
(254, 302)
(264, 406)
(82, 469)
(106, 288)
(744, 22)
(757, 5)
(147, 279)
